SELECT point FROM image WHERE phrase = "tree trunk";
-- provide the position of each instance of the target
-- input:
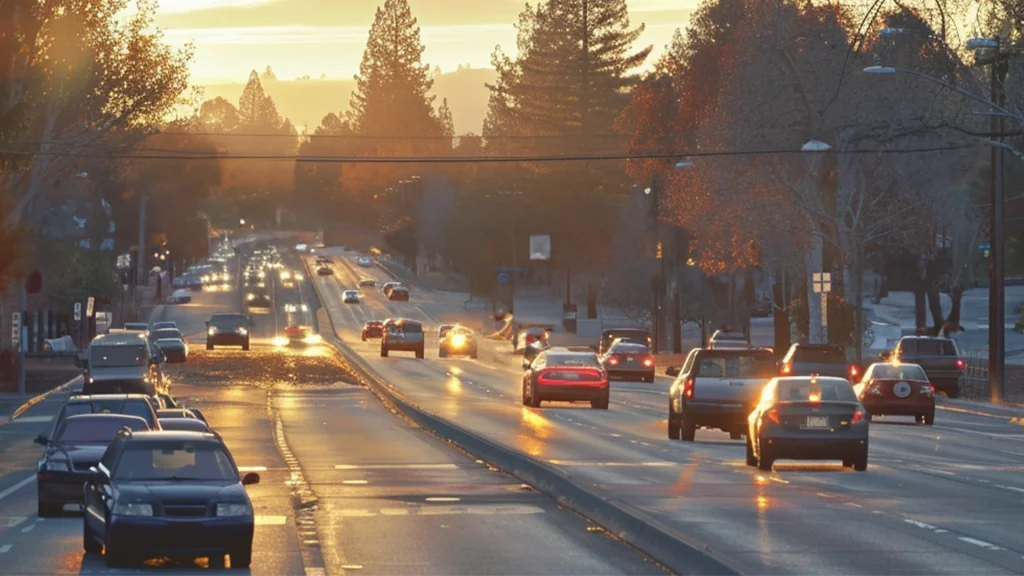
(858, 308)
(935, 307)
(780, 313)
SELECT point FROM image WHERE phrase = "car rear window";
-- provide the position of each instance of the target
(638, 335)
(166, 334)
(578, 360)
(756, 364)
(901, 372)
(175, 460)
(118, 356)
(411, 328)
(831, 391)
(933, 347)
(629, 348)
(815, 355)
(90, 430)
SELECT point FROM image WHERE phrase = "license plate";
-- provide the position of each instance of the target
(817, 422)
(629, 360)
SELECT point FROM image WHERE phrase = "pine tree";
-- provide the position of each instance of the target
(256, 110)
(391, 96)
(444, 116)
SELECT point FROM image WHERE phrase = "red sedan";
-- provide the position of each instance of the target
(897, 390)
(372, 330)
(561, 375)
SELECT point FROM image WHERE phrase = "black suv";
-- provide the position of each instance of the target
(227, 330)
(157, 494)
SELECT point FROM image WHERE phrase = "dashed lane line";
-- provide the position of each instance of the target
(12, 489)
(396, 467)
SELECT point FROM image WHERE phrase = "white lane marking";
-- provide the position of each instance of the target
(32, 420)
(8, 491)
(28, 528)
(354, 482)
(396, 467)
(919, 524)
(6, 548)
(262, 520)
(443, 499)
(660, 464)
(943, 472)
(1014, 488)
(977, 542)
(482, 510)
(252, 468)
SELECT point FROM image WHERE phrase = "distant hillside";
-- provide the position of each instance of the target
(305, 102)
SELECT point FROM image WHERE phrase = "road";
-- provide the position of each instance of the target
(347, 487)
(945, 499)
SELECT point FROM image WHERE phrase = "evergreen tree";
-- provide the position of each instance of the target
(444, 115)
(391, 92)
(256, 110)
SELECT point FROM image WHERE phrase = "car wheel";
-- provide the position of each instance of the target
(860, 462)
(764, 458)
(735, 435)
(48, 509)
(534, 398)
(649, 378)
(89, 544)
(240, 559)
(689, 429)
(751, 459)
(364, 338)
(601, 403)
(419, 353)
(209, 346)
(673, 423)
(383, 352)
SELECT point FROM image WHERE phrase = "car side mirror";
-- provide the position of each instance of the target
(672, 371)
(42, 440)
(95, 475)
(250, 479)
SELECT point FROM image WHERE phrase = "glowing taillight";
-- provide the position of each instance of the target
(614, 361)
(858, 415)
(786, 369)
(648, 362)
(688, 388)
(853, 372)
(773, 415)
(960, 364)
(814, 397)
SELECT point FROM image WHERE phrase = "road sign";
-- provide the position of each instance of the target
(16, 330)
(985, 246)
(90, 306)
(78, 311)
(504, 278)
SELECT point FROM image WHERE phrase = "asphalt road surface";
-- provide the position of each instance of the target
(347, 487)
(946, 499)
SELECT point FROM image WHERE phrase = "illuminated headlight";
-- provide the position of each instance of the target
(56, 466)
(262, 274)
(313, 339)
(285, 275)
(242, 331)
(299, 277)
(458, 340)
(305, 308)
(226, 509)
(212, 330)
(133, 509)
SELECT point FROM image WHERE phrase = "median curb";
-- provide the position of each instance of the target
(680, 554)
(37, 399)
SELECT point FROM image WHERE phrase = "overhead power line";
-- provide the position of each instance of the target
(487, 159)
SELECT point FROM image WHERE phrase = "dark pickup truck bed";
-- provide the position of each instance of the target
(940, 358)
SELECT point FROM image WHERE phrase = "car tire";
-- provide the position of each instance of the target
(601, 403)
(363, 337)
(240, 559)
(209, 346)
(673, 423)
(534, 401)
(688, 429)
(420, 354)
(860, 462)
(751, 459)
(89, 543)
(48, 509)
(764, 459)
(383, 352)
(473, 356)
(649, 379)
(735, 435)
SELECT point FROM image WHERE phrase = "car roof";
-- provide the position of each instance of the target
(92, 397)
(119, 339)
(176, 436)
(193, 422)
(103, 416)
(802, 379)
(560, 350)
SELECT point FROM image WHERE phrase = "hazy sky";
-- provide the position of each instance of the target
(314, 37)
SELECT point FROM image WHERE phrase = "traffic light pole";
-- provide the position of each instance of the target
(23, 337)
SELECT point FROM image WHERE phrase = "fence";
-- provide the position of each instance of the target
(974, 378)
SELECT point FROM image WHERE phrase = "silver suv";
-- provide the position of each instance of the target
(404, 335)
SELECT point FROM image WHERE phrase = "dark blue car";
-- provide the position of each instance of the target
(168, 494)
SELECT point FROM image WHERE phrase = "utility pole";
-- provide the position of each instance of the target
(141, 267)
(23, 336)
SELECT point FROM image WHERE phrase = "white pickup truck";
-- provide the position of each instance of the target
(718, 389)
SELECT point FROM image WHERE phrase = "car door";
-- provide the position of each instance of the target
(98, 491)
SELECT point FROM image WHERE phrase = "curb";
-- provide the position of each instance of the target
(981, 408)
(37, 399)
(678, 553)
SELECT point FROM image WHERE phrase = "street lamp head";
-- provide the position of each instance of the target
(815, 146)
(647, 191)
(683, 164)
(879, 70)
(979, 43)
(82, 175)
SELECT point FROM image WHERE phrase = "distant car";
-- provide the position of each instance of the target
(386, 287)
(399, 294)
(323, 260)
(178, 412)
(259, 301)
(897, 390)
(365, 261)
(629, 360)
(821, 359)
(175, 349)
(324, 271)
(184, 424)
(372, 329)
(635, 334)
(168, 493)
(457, 341)
(443, 329)
(136, 327)
(76, 446)
(166, 325)
(227, 330)
(350, 296)
(563, 376)
(808, 418)
(403, 335)
(368, 283)
(724, 340)
(180, 296)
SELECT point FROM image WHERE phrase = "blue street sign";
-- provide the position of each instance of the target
(985, 246)
(504, 278)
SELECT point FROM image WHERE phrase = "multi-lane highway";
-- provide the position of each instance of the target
(347, 487)
(945, 499)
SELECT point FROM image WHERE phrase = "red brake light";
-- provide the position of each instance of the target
(648, 362)
(858, 415)
(614, 361)
(688, 388)
(960, 364)
(786, 369)
(773, 415)
(853, 371)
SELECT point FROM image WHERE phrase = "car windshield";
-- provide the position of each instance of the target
(96, 430)
(118, 356)
(757, 364)
(898, 372)
(166, 334)
(815, 355)
(140, 408)
(573, 360)
(188, 424)
(831, 391)
(228, 322)
(929, 346)
(175, 460)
